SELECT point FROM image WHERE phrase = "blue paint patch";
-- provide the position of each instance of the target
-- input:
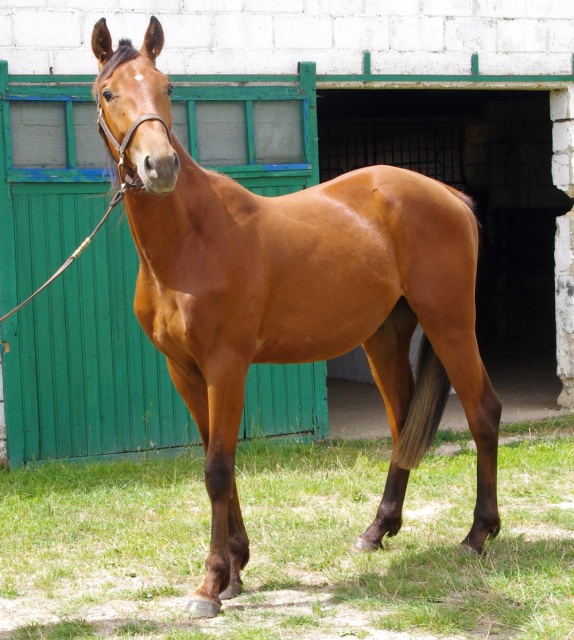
(62, 175)
(39, 98)
(285, 167)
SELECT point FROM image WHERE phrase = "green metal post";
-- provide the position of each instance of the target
(308, 85)
(70, 135)
(366, 63)
(192, 128)
(7, 279)
(474, 70)
(250, 129)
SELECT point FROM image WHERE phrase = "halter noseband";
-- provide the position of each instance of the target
(121, 148)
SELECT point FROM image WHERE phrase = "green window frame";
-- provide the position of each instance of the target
(192, 93)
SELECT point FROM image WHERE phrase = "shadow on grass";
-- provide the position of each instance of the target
(442, 589)
(436, 590)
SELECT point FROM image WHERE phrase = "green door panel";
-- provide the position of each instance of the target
(81, 380)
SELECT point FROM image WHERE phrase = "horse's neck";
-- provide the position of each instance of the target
(180, 222)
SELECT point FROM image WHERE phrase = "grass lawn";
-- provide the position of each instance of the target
(111, 549)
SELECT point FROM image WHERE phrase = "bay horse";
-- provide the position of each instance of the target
(228, 278)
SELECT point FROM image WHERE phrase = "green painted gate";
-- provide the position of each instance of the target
(80, 378)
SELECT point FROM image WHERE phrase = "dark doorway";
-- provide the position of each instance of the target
(496, 146)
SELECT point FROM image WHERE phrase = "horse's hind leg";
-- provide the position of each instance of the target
(388, 354)
(457, 349)
(238, 547)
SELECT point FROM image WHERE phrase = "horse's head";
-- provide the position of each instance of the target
(133, 97)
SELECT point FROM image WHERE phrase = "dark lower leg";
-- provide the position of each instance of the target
(486, 523)
(238, 548)
(484, 428)
(219, 481)
(388, 520)
(388, 354)
(458, 352)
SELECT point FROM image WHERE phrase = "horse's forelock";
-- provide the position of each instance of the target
(124, 53)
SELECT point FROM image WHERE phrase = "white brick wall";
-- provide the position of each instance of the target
(501, 8)
(271, 36)
(514, 36)
(449, 8)
(562, 115)
(350, 32)
(426, 31)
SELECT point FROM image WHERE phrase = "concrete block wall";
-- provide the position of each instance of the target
(562, 114)
(272, 36)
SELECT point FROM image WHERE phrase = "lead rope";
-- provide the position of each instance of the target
(114, 202)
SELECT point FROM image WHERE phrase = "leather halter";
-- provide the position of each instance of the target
(129, 177)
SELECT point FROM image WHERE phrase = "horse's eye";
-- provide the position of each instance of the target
(170, 90)
(108, 95)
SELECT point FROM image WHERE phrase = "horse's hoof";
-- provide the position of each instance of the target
(467, 551)
(200, 608)
(364, 546)
(233, 590)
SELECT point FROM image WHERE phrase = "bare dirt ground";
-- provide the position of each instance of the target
(168, 616)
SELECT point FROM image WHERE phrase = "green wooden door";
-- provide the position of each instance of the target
(80, 378)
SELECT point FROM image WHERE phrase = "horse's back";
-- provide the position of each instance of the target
(383, 194)
(382, 204)
(345, 251)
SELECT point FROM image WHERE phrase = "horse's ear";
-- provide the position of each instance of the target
(101, 41)
(153, 41)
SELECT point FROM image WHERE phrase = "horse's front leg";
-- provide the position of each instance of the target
(225, 390)
(191, 385)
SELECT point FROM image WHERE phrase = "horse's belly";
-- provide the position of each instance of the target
(323, 329)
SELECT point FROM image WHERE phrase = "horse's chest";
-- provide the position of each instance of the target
(175, 326)
(162, 319)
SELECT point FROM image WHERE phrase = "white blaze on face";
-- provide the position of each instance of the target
(138, 77)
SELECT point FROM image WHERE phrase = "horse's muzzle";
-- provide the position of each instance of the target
(159, 172)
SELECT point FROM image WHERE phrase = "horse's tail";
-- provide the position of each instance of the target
(430, 394)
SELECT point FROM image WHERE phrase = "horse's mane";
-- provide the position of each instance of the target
(124, 53)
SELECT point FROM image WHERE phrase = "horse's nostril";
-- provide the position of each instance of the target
(148, 164)
(176, 162)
